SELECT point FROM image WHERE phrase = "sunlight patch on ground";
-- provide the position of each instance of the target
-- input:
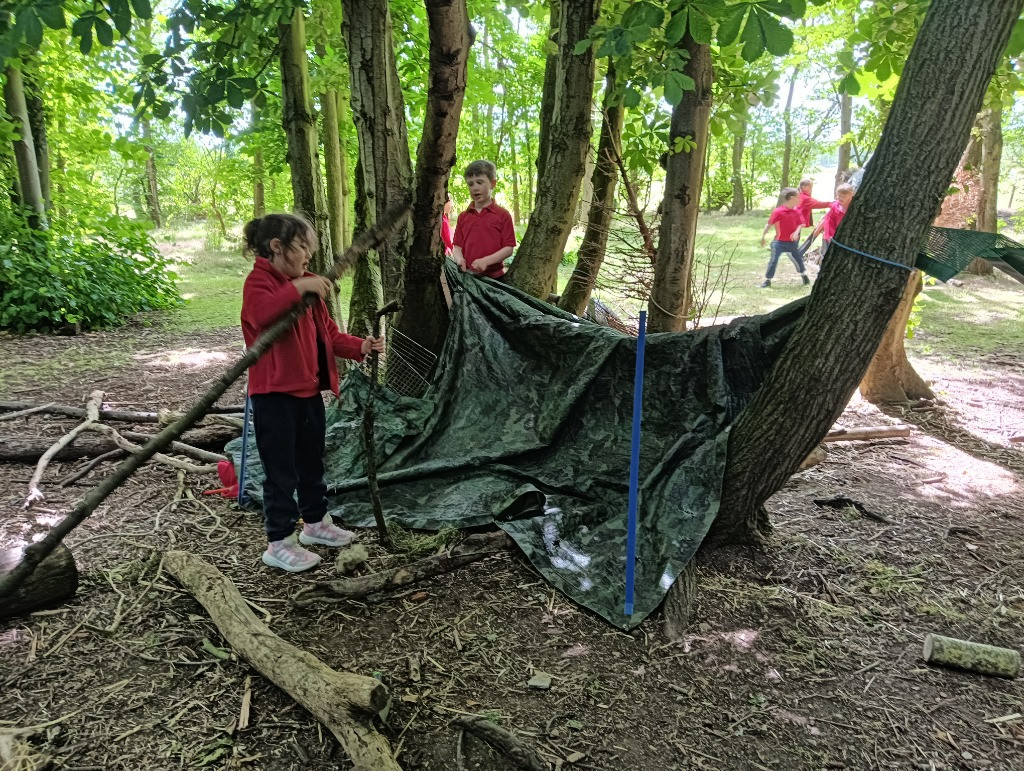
(965, 481)
(188, 358)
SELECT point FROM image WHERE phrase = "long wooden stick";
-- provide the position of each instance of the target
(862, 434)
(35, 553)
(343, 701)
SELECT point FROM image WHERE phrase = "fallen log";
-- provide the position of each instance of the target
(124, 416)
(863, 434)
(972, 656)
(507, 743)
(344, 702)
(473, 549)
(20, 449)
(55, 580)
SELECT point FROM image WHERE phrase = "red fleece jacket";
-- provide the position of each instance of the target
(291, 364)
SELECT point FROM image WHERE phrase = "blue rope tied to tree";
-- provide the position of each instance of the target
(873, 257)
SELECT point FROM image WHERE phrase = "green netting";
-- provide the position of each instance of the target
(526, 424)
(948, 251)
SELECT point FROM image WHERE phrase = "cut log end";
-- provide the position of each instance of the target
(54, 580)
(971, 656)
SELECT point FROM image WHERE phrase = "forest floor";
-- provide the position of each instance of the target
(806, 655)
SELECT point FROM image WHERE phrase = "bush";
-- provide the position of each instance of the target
(94, 278)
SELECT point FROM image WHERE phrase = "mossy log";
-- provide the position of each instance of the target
(972, 656)
(55, 580)
(344, 702)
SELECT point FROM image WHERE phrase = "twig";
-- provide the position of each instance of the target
(124, 444)
(90, 466)
(92, 415)
(504, 741)
(23, 413)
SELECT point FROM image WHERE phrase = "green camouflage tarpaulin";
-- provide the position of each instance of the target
(526, 424)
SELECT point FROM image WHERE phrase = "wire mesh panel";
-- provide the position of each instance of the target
(406, 366)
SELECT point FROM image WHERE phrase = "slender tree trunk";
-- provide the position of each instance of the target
(890, 377)
(303, 144)
(547, 95)
(854, 298)
(738, 198)
(516, 215)
(577, 290)
(530, 187)
(31, 194)
(535, 269)
(344, 138)
(424, 315)
(991, 123)
(670, 293)
(259, 193)
(152, 187)
(40, 143)
(845, 127)
(333, 162)
(379, 113)
(787, 122)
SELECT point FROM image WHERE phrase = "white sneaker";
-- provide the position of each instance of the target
(288, 555)
(326, 533)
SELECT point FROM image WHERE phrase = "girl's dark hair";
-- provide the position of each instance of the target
(258, 233)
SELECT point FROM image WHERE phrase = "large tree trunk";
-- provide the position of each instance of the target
(890, 378)
(577, 290)
(152, 188)
(378, 110)
(303, 144)
(854, 298)
(991, 124)
(55, 580)
(670, 293)
(424, 314)
(31, 194)
(787, 125)
(367, 287)
(739, 200)
(845, 127)
(40, 143)
(535, 268)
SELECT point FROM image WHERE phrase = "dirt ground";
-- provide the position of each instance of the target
(804, 656)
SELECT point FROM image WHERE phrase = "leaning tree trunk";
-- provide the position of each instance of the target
(535, 269)
(378, 111)
(845, 127)
(41, 145)
(939, 93)
(152, 188)
(787, 125)
(577, 290)
(890, 378)
(24, 149)
(424, 315)
(670, 292)
(991, 124)
(303, 144)
(739, 198)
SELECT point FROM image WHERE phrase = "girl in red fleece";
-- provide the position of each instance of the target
(285, 386)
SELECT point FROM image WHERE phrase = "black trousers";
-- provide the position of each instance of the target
(290, 439)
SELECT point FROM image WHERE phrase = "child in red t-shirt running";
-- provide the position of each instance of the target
(484, 235)
(807, 203)
(787, 220)
(285, 386)
(836, 210)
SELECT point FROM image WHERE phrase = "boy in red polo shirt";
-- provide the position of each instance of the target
(787, 220)
(484, 236)
(807, 203)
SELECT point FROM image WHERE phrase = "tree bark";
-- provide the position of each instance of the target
(891, 378)
(152, 188)
(424, 312)
(547, 94)
(31, 194)
(41, 145)
(845, 127)
(739, 200)
(378, 110)
(577, 290)
(670, 293)
(367, 287)
(344, 702)
(334, 163)
(303, 144)
(55, 580)
(991, 124)
(787, 123)
(535, 268)
(939, 94)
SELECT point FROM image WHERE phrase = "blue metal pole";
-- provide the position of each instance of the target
(634, 463)
(242, 497)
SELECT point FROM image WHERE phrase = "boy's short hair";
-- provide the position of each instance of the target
(482, 169)
(845, 188)
(806, 182)
(789, 192)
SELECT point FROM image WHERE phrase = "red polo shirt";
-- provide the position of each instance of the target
(806, 204)
(482, 233)
(833, 217)
(787, 223)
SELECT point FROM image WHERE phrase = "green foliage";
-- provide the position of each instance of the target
(66, 275)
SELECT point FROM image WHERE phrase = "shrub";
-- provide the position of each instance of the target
(64, 275)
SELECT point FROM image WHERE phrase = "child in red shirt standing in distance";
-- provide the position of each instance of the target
(836, 210)
(285, 386)
(787, 220)
(484, 235)
(807, 203)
